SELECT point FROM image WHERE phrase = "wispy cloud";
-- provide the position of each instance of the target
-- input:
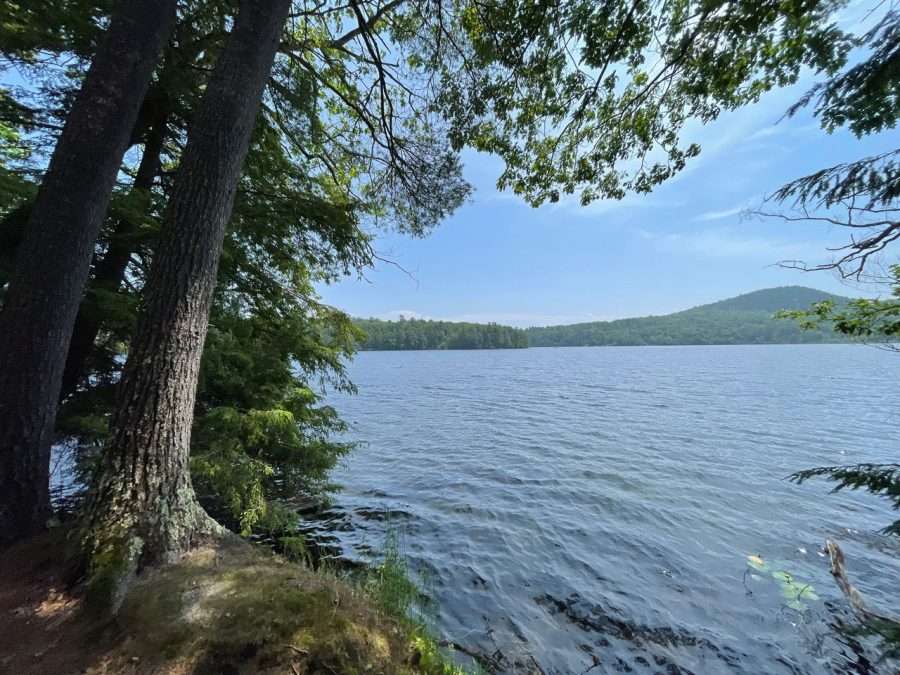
(784, 128)
(767, 132)
(719, 215)
(571, 204)
(727, 242)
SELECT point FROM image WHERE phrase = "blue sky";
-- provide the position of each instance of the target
(687, 243)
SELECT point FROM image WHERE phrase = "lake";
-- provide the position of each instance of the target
(593, 509)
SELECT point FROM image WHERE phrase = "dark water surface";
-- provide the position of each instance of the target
(596, 506)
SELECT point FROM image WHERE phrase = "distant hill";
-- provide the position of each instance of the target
(745, 319)
(773, 300)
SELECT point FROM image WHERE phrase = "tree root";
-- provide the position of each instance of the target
(111, 572)
(115, 554)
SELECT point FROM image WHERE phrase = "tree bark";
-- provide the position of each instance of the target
(53, 260)
(109, 272)
(143, 509)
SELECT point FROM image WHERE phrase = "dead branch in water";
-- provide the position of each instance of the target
(864, 612)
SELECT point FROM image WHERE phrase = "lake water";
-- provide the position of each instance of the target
(583, 507)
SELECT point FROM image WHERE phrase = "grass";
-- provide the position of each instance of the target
(241, 609)
(229, 607)
(390, 587)
(389, 583)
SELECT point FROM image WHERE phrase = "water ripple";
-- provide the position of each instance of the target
(594, 507)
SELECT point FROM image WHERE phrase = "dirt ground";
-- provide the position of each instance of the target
(43, 629)
(225, 609)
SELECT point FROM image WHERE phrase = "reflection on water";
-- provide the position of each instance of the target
(593, 509)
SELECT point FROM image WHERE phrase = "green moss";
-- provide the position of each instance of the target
(111, 570)
(242, 609)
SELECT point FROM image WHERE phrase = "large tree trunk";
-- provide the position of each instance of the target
(143, 509)
(109, 271)
(54, 258)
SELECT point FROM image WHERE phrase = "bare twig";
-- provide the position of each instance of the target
(298, 650)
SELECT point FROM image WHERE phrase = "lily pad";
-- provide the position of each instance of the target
(807, 593)
(798, 591)
(757, 563)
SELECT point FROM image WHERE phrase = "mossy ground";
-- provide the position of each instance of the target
(225, 608)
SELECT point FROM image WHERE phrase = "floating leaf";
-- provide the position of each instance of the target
(756, 563)
(798, 591)
(807, 593)
(791, 591)
(783, 577)
(797, 605)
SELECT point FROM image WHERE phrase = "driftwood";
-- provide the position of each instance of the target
(863, 611)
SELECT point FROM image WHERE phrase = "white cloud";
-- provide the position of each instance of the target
(718, 215)
(732, 243)
(783, 129)
(766, 132)
(571, 204)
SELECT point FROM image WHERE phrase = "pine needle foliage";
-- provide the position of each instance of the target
(879, 479)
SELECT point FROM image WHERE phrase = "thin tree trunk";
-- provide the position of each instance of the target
(53, 260)
(109, 272)
(143, 508)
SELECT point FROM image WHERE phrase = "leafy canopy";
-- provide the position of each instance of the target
(593, 97)
(859, 195)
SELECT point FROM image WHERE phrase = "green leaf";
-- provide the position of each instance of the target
(782, 576)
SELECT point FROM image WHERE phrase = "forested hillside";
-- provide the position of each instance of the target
(421, 334)
(745, 319)
(771, 300)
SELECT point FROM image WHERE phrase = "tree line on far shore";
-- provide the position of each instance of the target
(746, 319)
(413, 334)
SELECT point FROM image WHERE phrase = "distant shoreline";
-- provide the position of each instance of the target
(705, 344)
(743, 320)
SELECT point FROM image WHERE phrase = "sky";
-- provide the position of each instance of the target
(688, 243)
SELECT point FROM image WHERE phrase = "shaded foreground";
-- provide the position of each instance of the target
(224, 608)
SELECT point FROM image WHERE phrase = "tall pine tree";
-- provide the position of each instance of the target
(53, 260)
(143, 508)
